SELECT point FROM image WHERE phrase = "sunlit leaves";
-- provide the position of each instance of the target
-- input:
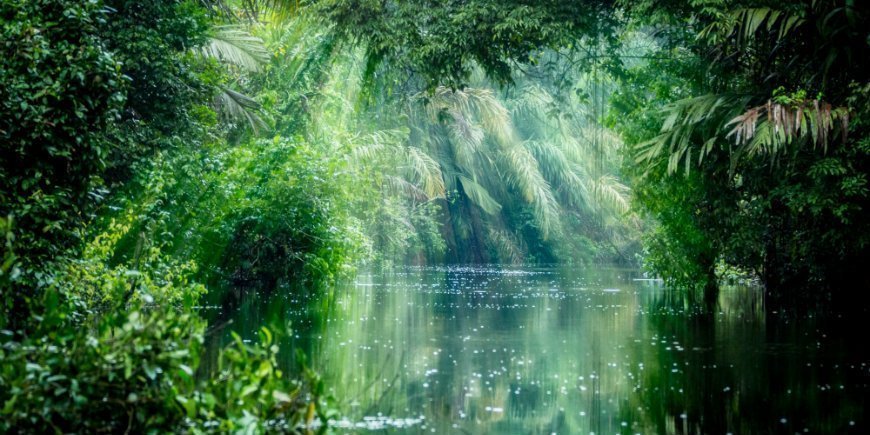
(426, 172)
(609, 190)
(526, 176)
(234, 45)
(235, 106)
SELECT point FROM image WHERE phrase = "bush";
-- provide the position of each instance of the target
(61, 89)
(118, 350)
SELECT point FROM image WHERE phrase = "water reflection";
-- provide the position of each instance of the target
(546, 350)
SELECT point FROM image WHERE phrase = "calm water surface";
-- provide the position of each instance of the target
(554, 350)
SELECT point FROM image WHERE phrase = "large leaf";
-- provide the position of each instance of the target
(234, 45)
(235, 106)
(479, 195)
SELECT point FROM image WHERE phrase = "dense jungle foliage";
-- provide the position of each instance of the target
(154, 150)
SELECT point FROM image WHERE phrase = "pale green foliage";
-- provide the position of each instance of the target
(415, 168)
(232, 106)
(235, 45)
(508, 155)
(526, 176)
(482, 138)
(479, 195)
(609, 190)
(426, 172)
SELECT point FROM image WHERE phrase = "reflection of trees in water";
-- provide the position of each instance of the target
(403, 344)
(739, 372)
(294, 316)
(517, 373)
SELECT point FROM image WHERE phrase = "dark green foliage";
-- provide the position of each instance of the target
(137, 370)
(259, 215)
(285, 229)
(123, 375)
(98, 331)
(442, 41)
(784, 197)
(153, 40)
(61, 88)
(89, 89)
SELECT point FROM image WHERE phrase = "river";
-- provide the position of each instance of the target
(525, 350)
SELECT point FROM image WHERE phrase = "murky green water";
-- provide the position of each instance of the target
(548, 350)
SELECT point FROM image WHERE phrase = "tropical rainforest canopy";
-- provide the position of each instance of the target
(156, 150)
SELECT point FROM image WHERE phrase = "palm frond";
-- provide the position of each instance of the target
(426, 172)
(783, 125)
(817, 120)
(232, 44)
(704, 114)
(466, 139)
(533, 100)
(401, 187)
(559, 168)
(472, 103)
(235, 106)
(377, 144)
(479, 195)
(746, 23)
(611, 193)
(525, 175)
(506, 245)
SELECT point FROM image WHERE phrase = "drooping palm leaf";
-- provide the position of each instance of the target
(508, 247)
(685, 118)
(235, 106)
(559, 168)
(426, 172)
(479, 195)
(401, 187)
(611, 193)
(525, 175)
(232, 44)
